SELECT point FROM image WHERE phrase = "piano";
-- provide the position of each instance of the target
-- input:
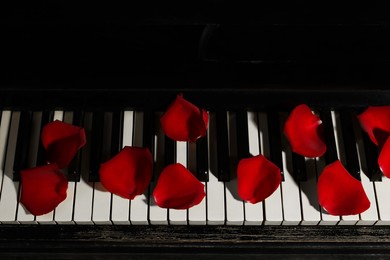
(115, 69)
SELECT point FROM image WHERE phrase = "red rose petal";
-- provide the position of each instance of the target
(183, 121)
(177, 188)
(43, 188)
(257, 178)
(339, 193)
(376, 122)
(62, 141)
(304, 132)
(128, 173)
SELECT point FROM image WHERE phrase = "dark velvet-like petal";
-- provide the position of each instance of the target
(177, 188)
(304, 132)
(183, 121)
(376, 122)
(339, 193)
(62, 141)
(43, 188)
(128, 173)
(257, 178)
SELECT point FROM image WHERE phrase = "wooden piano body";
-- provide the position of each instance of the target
(102, 58)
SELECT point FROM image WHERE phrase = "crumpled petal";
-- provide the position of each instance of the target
(303, 130)
(62, 141)
(43, 188)
(339, 193)
(376, 122)
(183, 121)
(177, 188)
(128, 173)
(257, 178)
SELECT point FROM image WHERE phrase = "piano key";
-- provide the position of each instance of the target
(47, 116)
(331, 152)
(8, 134)
(101, 197)
(242, 135)
(197, 213)
(349, 140)
(275, 150)
(370, 216)
(22, 145)
(291, 200)
(299, 167)
(139, 205)
(148, 130)
(120, 207)
(234, 204)
(273, 211)
(73, 170)
(371, 157)
(383, 194)
(116, 133)
(84, 189)
(179, 216)
(202, 164)
(309, 195)
(63, 213)
(253, 212)
(96, 145)
(157, 215)
(340, 148)
(170, 151)
(222, 146)
(215, 189)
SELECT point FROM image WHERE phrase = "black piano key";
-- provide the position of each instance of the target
(148, 133)
(275, 146)
(116, 133)
(202, 162)
(331, 151)
(222, 146)
(242, 135)
(22, 144)
(74, 168)
(371, 155)
(96, 145)
(349, 140)
(299, 167)
(169, 151)
(47, 116)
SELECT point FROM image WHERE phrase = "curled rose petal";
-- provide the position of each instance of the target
(62, 141)
(376, 122)
(43, 188)
(177, 188)
(128, 173)
(339, 193)
(304, 132)
(257, 178)
(183, 121)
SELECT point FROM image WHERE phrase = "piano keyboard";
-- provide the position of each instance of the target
(231, 136)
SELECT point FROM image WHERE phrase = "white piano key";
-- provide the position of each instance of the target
(370, 216)
(383, 195)
(234, 204)
(311, 213)
(253, 212)
(23, 215)
(290, 190)
(4, 129)
(215, 201)
(84, 189)
(9, 192)
(352, 219)
(157, 215)
(326, 218)
(197, 213)
(139, 205)
(63, 213)
(120, 208)
(273, 210)
(179, 217)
